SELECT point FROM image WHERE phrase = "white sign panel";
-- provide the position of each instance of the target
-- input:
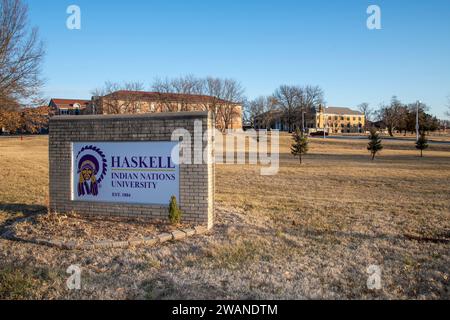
(125, 172)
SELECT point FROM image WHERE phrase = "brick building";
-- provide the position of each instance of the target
(68, 106)
(228, 114)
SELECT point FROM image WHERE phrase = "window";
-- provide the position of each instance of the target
(63, 111)
(76, 109)
(354, 118)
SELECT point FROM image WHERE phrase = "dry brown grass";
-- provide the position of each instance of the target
(23, 176)
(339, 186)
(309, 232)
(342, 212)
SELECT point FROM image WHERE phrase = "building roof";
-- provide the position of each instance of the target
(69, 103)
(170, 97)
(342, 111)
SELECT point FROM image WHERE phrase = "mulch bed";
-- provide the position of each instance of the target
(77, 228)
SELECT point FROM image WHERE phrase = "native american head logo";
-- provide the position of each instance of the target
(92, 168)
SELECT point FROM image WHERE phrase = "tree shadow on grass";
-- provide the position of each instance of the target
(442, 238)
(15, 211)
(364, 158)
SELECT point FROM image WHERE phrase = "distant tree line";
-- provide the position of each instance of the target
(297, 102)
(294, 101)
(402, 118)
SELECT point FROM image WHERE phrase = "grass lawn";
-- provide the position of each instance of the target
(310, 231)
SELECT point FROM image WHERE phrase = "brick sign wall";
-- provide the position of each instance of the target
(93, 159)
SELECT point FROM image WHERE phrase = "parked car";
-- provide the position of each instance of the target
(319, 134)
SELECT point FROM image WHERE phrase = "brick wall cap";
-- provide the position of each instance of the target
(156, 116)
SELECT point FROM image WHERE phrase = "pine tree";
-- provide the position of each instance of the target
(300, 145)
(374, 144)
(174, 211)
(422, 144)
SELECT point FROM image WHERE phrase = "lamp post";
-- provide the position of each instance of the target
(417, 120)
(303, 122)
(322, 115)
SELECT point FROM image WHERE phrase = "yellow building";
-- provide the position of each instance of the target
(328, 119)
(337, 120)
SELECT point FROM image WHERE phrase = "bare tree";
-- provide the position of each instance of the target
(288, 99)
(297, 101)
(7, 104)
(220, 96)
(393, 115)
(310, 98)
(21, 54)
(115, 98)
(368, 113)
(213, 88)
(366, 109)
(182, 87)
(232, 95)
(261, 108)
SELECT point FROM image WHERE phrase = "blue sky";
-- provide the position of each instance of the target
(262, 43)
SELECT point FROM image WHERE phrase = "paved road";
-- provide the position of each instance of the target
(330, 137)
(384, 138)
